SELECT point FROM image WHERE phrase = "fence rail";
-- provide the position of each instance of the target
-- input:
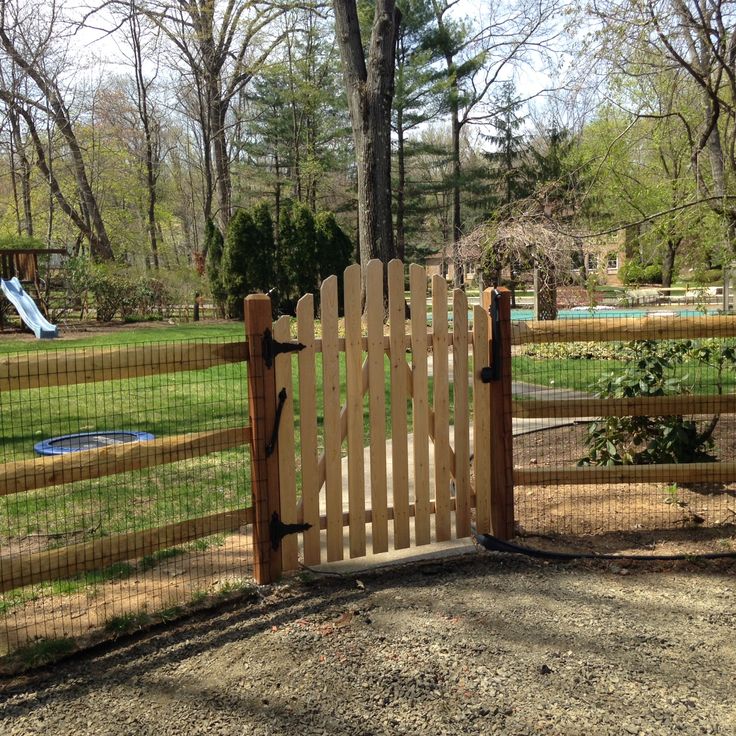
(622, 330)
(39, 370)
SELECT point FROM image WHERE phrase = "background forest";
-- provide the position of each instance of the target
(206, 145)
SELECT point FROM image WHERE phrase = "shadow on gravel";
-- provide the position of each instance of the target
(502, 603)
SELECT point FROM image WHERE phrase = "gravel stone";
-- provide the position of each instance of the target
(483, 644)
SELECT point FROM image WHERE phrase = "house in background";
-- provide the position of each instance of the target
(604, 256)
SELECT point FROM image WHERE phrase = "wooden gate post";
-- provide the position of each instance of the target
(502, 454)
(265, 468)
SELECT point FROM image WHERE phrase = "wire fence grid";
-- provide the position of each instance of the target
(112, 543)
(639, 498)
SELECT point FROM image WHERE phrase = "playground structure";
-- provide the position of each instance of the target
(18, 267)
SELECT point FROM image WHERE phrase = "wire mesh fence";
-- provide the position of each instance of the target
(101, 540)
(635, 436)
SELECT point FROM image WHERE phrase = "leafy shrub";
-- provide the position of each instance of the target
(574, 351)
(214, 244)
(114, 291)
(297, 254)
(247, 262)
(647, 440)
(19, 242)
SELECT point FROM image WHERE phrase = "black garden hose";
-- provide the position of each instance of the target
(493, 544)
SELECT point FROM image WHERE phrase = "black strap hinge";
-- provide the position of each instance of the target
(272, 348)
(279, 530)
(271, 446)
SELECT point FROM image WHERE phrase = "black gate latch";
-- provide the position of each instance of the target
(491, 373)
(279, 530)
(272, 348)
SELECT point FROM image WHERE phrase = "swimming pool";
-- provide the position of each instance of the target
(521, 315)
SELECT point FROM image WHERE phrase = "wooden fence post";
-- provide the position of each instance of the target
(265, 469)
(502, 454)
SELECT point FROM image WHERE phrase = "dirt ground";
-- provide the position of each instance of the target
(627, 518)
(480, 644)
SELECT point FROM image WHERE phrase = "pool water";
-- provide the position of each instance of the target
(520, 315)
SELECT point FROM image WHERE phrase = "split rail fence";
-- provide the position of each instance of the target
(366, 434)
(37, 371)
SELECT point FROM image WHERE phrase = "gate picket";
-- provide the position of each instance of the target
(377, 406)
(462, 424)
(354, 405)
(399, 448)
(481, 421)
(420, 402)
(441, 403)
(308, 428)
(331, 421)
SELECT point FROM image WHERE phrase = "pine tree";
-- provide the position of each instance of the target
(297, 254)
(236, 261)
(262, 258)
(510, 146)
(334, 247)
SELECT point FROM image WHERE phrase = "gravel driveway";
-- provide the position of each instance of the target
(480, 644)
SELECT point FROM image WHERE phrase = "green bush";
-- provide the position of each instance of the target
(115, 291)
(647, 440)
(247, 264)
(334, 247)
(19, 242)
(297, 255)
(573, 351)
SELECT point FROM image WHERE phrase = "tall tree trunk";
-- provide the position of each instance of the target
(223, 182)
(151, 147)
(24, 174)
(668, 261)
(14, 185)
(457, 225)
(369, 84)
(400, 187)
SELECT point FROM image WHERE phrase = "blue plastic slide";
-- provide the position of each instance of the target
(27, 309)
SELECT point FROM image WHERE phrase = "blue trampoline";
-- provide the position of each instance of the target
(89, 441)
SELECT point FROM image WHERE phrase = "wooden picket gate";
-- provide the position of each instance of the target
(361, 439)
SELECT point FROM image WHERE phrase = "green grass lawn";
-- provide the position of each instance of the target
(165, 405)
(125, 335)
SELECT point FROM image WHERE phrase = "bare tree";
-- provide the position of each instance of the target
(693, 39)
(30, 42)
(477, 56)
(149, 125)
(219, 47)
